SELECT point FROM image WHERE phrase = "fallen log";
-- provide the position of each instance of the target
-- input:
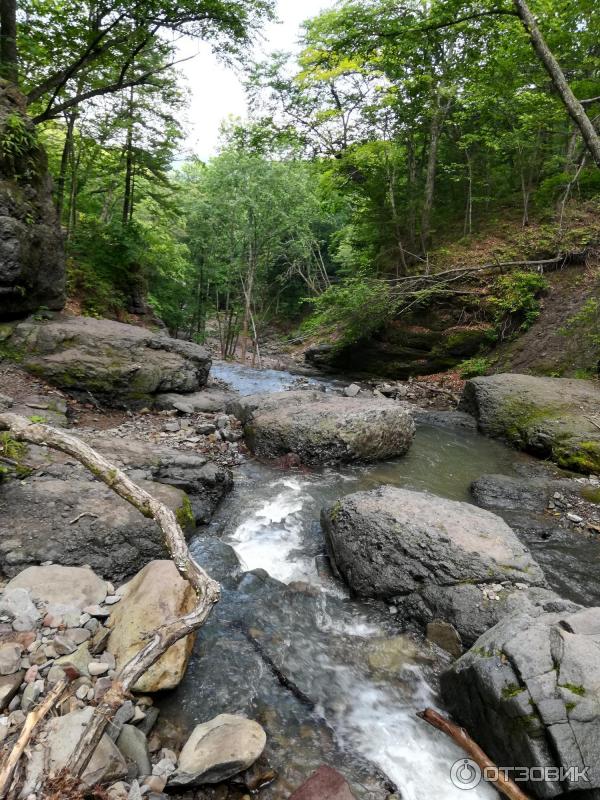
(505, 785)
(159, 641)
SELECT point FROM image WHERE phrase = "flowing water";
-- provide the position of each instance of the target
(334, 652)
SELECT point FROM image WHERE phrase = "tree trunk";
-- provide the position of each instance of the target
(8, 40)
(128, 193)
(64, 164)
(434, 139)
(572, 104)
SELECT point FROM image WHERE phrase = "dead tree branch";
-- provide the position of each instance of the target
(33, 718)
(207, 590)
(461, 737)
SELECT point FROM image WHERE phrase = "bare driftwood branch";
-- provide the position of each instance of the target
(33, 718)
(207, 590)
(461, 737)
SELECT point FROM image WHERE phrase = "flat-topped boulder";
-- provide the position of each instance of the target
(122, 365)
(81, 521)
(433, 558)
(529, 693)
(555, 418)
(323, 428)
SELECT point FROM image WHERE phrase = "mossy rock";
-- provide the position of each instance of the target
(549, 417)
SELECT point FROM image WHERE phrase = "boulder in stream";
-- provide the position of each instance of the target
(555, 418)
(219, 749)
(322, 428)
(119, 364)
(433, 558)
(529, 693)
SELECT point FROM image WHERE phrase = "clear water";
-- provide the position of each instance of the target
(272, 522)
(247, 380)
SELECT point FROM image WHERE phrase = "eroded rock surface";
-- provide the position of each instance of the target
(81, 521)
(32, 261)
(529, 690)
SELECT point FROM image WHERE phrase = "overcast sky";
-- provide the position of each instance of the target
(216, 91)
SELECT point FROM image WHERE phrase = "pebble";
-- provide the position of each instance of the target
(31, 674)
(112, 599)
(575, 518)
(101, 688)
(97, 668)
(96, 611)
(82, 692)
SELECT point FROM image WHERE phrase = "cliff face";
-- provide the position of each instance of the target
(32, 264)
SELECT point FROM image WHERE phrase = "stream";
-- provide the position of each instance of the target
(331, 678)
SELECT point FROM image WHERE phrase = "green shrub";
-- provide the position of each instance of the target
(473, 367)
(515, 302)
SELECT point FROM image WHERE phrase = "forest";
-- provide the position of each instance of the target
(399, 130)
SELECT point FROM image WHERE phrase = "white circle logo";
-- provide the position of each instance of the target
(465, 774)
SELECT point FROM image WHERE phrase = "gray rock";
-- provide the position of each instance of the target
(204, 482)
(120, 364)
(32, 262)
(9, 686)
(322, 429)
(10, 658)
(75, 587)
(133, 746)
(209, 400)
(427, 555)
(16, 602)
(549, 417)
(123, 715)
(31, 695)
(218, 750)
(529, 690)
(63, 734)
(533, 494)
(108, 533)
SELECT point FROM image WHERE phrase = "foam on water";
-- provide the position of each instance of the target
(271, 537)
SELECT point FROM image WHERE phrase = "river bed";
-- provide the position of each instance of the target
(328, 676)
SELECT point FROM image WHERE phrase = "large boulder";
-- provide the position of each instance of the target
(323, 428)
(32, 262)
(555, 418)
(433, 558)
(219, 749)
(122, 365)
(81, 521)
(529, 694)
(155, 596)
(53, 584)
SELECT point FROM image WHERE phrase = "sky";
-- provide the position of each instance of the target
(216, 90)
